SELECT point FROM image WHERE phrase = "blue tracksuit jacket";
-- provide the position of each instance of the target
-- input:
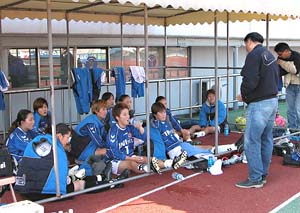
(89, 135)
(3, 87)
(82, 90)
(207, 114)
(119, 74)
(36, 173)
(18, 141)
(41, 123)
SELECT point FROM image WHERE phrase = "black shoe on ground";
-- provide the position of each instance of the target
(107, 172)
(154, 165)
(249, 184)
(179, 160)
(122, 176)
(264, 179)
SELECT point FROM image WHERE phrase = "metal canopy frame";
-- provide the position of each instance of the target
(138, 9)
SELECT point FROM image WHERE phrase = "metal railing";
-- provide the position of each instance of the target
(182, 96)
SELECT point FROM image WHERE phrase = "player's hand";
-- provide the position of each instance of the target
(239, 98)
(138, 159)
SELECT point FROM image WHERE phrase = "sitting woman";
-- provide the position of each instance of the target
(109, 121)
(89, 136)
(207, 123)
(20, 134)
(120, 145)
(36, 177)
(127, 100)
(42, 116)
(174, 145)
(172, 120)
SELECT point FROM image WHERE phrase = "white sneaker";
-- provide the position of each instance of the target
(199, 134)
(80, 174)
(244, 159)
(73, 170)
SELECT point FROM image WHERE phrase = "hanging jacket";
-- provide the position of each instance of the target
(82, 90)
(137, 81)
(4, 84)
(120, 80)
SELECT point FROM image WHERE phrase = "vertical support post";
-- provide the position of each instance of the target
(68, 69)
(50, 49)
(227, 65)
(147, 81)
(216, 78)
(121, 40)
(267, 30)
(165, 58)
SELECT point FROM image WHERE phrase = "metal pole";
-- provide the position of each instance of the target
(216, 79)
(227, 61)
(3, 114)
(147, 82)
(235, 71)
(50, 49)
(68, 69)
(122, 40)
(165, 57)
(267, 31)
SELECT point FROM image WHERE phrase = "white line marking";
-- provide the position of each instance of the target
(285, 203)
(147, 193)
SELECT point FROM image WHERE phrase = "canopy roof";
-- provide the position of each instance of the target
(160, 12)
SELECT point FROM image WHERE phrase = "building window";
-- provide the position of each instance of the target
(177, 56)
(155, 61)
(129, 58)
(22, 68)
(60, 63)
(98, 56)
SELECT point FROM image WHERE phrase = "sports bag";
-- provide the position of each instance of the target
(6, 162)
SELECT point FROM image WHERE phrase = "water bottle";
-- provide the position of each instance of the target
(135, 122)
(226, 130)
(210, 162)
(177, 176)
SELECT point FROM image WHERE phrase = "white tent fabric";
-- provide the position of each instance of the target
(161, 12)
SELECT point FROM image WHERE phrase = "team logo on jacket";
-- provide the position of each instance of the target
(21, 180)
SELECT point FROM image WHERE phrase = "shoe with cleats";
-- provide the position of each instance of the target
(179, 160)
(154, 165)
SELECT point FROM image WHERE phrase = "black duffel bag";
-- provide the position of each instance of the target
(6, 163)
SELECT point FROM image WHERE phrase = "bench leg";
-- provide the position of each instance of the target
(12, 193)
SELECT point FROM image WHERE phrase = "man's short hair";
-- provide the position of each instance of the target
(157, 107)
(210, 91)
(255, 37)
(280, 47)
(117, 109)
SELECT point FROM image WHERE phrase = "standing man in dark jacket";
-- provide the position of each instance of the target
(289, 63)
(259, 90)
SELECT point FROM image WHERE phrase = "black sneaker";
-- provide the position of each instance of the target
(123, 175)
(249, 184)
(179, 160)
(154, 165)
(264, 179)
(107, 172)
